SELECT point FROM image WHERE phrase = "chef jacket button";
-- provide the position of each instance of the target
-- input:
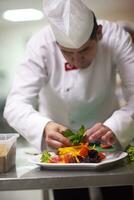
(68, 89)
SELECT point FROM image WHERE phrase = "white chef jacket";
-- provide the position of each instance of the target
(74, 97)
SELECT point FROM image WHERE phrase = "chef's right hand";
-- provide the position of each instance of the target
(54, 137)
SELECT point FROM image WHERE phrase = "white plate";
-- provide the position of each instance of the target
(111, 159)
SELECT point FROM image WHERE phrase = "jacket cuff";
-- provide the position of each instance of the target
(37, 135)
(122, 126)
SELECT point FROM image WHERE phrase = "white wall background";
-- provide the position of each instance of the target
(112, 9)
(13, 39)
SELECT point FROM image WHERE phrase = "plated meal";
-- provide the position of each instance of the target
(80, 155)
(79, 152)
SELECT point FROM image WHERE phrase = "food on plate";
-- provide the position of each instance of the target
(81, 153)
(78, 137)
(75, 137)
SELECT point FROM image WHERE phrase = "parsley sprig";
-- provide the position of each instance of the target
(45, 156)
(75, 137)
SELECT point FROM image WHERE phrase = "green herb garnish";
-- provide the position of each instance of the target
(75, 137)
(45, 156)
(130, 151)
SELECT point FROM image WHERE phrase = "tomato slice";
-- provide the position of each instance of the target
(54, 159)
(66, 158)
(84, 151)
(101, 155)
(105, 146)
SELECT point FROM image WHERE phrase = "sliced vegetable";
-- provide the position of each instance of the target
(101, 155)
(84, 150)
(54, 159)
(67, 158)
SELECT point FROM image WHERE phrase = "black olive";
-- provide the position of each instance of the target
(92, 153)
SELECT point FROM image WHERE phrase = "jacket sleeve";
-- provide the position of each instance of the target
(20, 110)
(122, 120)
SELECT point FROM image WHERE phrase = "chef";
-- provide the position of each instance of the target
(67, 78)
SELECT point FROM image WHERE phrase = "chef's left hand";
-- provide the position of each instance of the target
(100, 132)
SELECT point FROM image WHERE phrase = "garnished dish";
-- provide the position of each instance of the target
(80, 155)
(79, 152)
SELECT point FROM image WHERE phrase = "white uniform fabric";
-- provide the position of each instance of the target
(73, 98)
(72, 22)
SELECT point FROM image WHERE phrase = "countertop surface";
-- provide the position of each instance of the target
(30, 176)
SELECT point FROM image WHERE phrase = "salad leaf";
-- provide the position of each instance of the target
(130, 151)
(67, 133)
(45, 156)
(75, 137)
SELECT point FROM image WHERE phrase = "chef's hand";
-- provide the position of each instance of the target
(54, 137)
(100, 132)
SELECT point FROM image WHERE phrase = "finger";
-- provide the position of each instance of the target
(109, 138)
(60, 138)
(93, 129)
(54, 144)
(62, 128)
(98, 134)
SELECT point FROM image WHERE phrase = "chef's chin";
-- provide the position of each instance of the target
(84, 66)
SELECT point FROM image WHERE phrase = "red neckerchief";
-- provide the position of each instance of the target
(69, 67)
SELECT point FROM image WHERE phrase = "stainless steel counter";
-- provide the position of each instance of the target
(27, 176)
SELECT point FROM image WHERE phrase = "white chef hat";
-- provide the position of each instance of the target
(71, 20)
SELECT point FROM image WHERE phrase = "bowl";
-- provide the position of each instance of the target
(7, 151)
